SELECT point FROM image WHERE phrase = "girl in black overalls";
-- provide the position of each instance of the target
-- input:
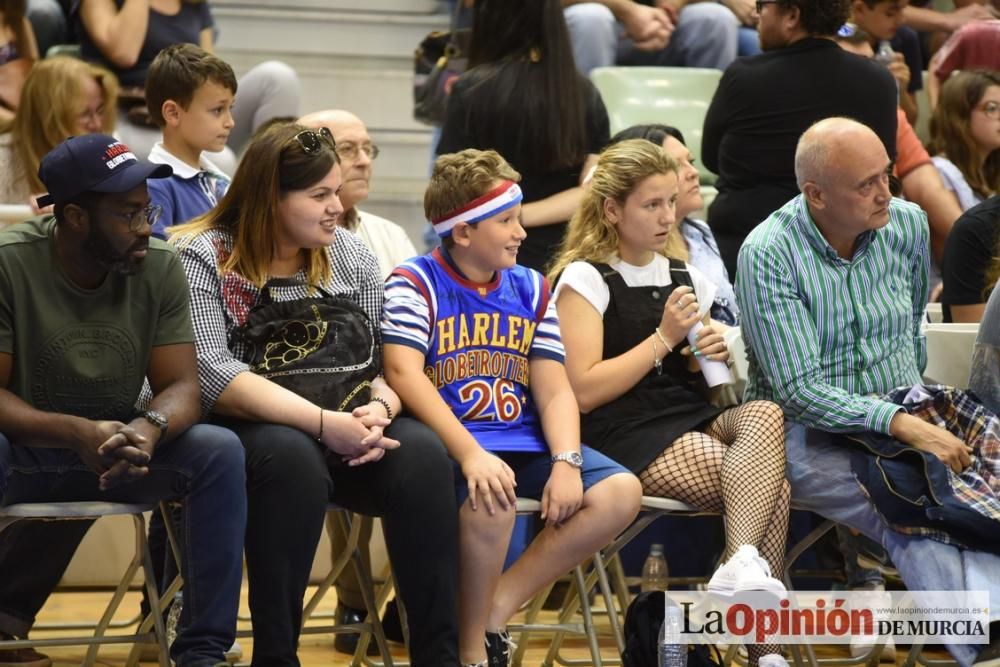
(625, 310)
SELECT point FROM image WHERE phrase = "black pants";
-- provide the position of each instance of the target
(411, 489)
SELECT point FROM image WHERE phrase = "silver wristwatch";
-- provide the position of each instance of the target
(572, 458)
(157, 419)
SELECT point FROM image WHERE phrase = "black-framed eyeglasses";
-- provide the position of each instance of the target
(761, 3)
(311, 141)
(350, 151)
(136, 219)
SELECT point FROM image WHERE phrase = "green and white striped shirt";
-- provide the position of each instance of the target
(824, 334)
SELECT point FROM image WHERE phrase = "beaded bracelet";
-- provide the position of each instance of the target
(657, 362)
(320, 436)
(385, 404)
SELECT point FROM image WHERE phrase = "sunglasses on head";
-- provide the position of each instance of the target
(312, 141)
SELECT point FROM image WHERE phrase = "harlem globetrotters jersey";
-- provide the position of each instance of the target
(476, 341)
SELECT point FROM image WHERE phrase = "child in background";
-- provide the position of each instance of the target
(190, 97)
(883, 21)
(465, 328)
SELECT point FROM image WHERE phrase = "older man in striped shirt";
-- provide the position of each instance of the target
(833, 287)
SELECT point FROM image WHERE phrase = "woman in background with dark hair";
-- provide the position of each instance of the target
(690, 240)
(524, 99)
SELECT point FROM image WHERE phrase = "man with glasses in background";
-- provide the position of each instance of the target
(90, 307)
(392, 247)
(357, 154)
(764, 103)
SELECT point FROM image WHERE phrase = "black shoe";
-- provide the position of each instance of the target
(873, 557)
(347, 642)
(391, 623)
(499, 649)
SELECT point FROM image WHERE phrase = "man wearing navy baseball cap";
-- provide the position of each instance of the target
(90, 306)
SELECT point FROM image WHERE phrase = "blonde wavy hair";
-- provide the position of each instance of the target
(590, 236)
(51, 103)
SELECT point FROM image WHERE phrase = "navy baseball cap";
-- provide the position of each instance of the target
(93, 163)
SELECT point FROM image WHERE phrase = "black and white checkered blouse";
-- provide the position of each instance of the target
(220, 303)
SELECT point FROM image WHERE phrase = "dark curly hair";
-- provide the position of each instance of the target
(820, 17)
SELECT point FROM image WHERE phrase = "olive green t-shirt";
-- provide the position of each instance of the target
(80, 351)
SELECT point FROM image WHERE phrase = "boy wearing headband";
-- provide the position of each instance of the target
(465, 328)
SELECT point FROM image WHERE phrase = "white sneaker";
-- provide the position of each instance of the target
(234, 654)
(745, 571)
(862, 645)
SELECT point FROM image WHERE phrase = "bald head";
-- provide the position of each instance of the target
(828, 144)
(331, 119)
(354, 147)
(843, 171)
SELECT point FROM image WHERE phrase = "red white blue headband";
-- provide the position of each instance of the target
(504, 196)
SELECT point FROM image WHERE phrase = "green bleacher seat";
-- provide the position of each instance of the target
(71, 50)
(677, 96)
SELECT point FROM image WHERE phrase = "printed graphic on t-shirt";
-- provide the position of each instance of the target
(88, 370)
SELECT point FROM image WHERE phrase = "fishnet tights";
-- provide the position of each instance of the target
(736, 468)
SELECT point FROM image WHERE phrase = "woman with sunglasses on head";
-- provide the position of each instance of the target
(279, 220)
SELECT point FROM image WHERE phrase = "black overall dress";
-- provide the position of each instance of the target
(637, 426)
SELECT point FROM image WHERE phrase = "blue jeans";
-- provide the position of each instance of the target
(204, 467)
(705, 36)
(822, 482)
(856, 575)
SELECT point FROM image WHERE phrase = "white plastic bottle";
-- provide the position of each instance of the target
(885, 54)
(715, 372)
(654, 570)
(671, 649)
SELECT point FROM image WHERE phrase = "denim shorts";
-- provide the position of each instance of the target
(531, 471)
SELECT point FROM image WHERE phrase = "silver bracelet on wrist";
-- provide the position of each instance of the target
(663, 340)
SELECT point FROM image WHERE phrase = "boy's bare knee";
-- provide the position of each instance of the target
(484, 526)
(620, 493)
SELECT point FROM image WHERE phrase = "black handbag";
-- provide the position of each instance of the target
(323, 348)
(643, 619)
(439, 60)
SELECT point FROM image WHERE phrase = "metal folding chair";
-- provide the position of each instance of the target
(87, 511)
(351, 525)
(607, 559)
